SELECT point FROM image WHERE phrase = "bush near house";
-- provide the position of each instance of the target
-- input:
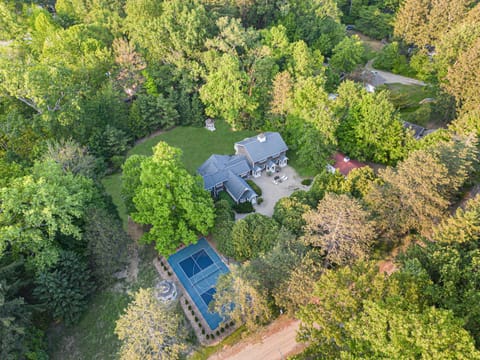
(255, 187)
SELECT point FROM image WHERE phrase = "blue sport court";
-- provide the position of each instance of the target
(198, 267)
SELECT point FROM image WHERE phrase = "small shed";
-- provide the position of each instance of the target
(210, 124)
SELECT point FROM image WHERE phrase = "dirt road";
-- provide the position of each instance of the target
(276, 342)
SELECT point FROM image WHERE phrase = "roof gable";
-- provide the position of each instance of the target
(261, 150)
(217, 167)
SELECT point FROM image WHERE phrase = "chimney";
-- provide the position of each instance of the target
(261, 137)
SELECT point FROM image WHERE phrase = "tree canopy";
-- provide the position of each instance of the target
(171, 200)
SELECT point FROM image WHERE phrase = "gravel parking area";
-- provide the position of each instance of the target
(271, 192)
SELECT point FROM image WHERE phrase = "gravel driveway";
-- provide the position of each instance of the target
(271, 192)
(383, 77)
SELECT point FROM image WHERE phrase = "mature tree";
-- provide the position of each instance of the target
(315, 22)
(295, 288)
(467, 123)
(341, 228)
(149, 113)
(171, 31)
(359, 181)
(387, 330)
(281, 93)
(272, 268)
(422, 22)
(336, 298)
(150, 330)
(38, 208)
(72, 64)
(462, 78)
(463, 227)
(325, 182)
(224, 92)
(415, 196)
(288, 212)
(222, 231)
(72, 157)
(370, 128)
(15, 314)
(65, 287)
(450, 263)
(131, 170)
(253, 235)
(250, 299)
(348, 54)
(108, 244)
(171, 200)
(130, 64)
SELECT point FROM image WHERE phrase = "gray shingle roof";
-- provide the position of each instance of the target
(238, 188)
(216, 169)
(417, 129)
(258, 151)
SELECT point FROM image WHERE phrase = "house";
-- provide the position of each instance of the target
(267, 151)
(418, 131)
(343, 164)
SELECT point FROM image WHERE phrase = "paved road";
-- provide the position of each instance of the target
(380, 77)
(274, 343)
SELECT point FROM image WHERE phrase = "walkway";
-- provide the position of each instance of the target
(276, 342)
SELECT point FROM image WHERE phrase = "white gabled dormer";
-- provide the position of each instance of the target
(261, 137)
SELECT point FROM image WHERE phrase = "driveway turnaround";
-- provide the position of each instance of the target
(275, 189)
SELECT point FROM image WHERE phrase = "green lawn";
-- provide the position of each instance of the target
(406, 99)
(113, 186)
(197, 143)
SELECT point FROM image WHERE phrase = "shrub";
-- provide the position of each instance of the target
(232, 323)
(189, 307)
(243, 208)
(213, 336)
(218, 333)
(253, 235)
(222, 330)
(186, 302)
(169, 273)
(255, 187)
(117, 161)
(223, 195)
(227, 326)
(259, 200)
(208, 336)
(65, 288)
(193, 313)
(306, 182)
(203, 332)
(196, 319)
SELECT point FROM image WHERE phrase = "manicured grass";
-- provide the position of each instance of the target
(197, 143)
(113, 186)
(204, 352)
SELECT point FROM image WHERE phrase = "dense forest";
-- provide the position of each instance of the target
(82, 81)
